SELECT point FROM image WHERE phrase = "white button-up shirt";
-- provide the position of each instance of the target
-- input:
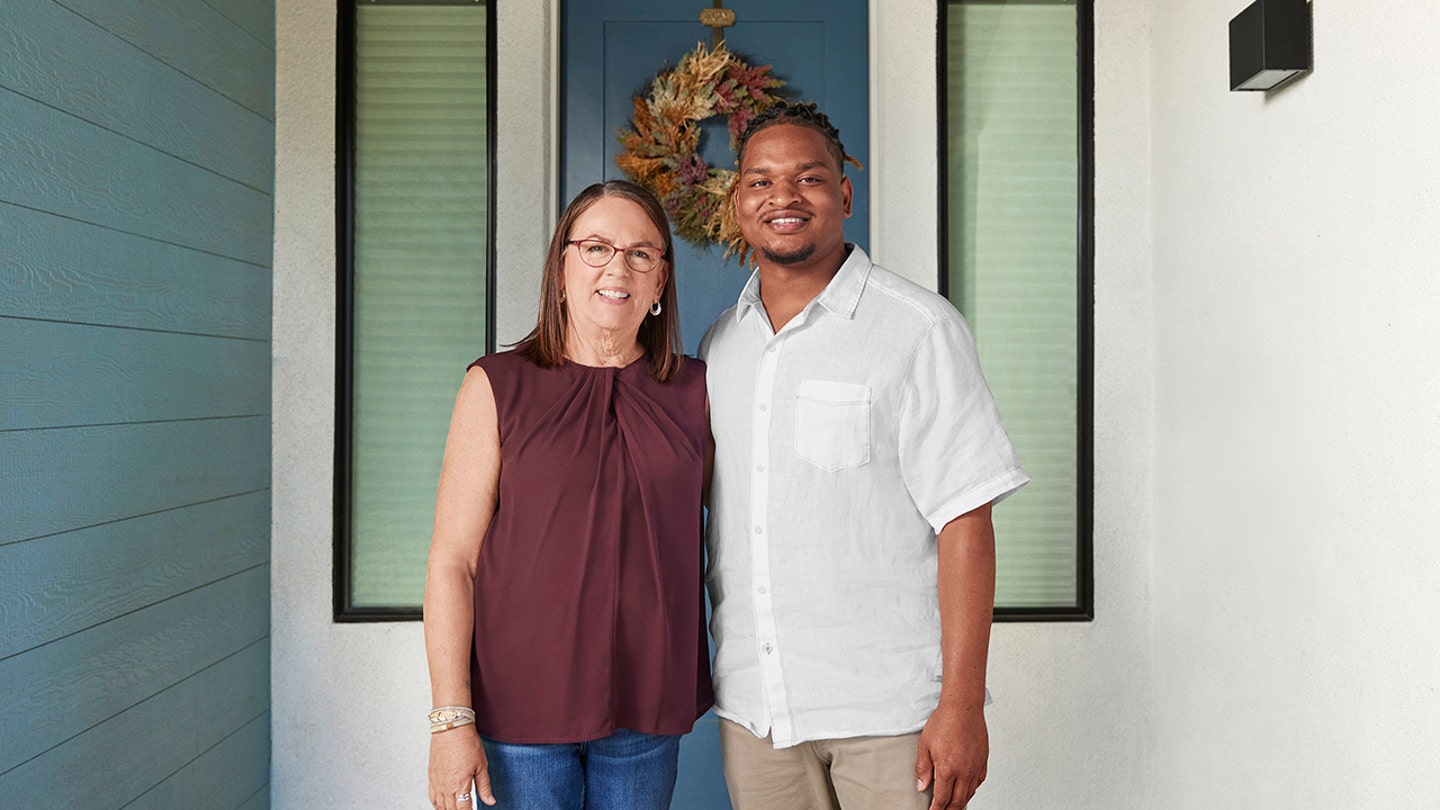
(843, 444)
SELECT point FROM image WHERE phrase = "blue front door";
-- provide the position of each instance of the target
(611, 49)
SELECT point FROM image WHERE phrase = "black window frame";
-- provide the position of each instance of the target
(345, 143)
(1084, 608)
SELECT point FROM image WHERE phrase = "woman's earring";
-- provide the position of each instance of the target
(655, 308)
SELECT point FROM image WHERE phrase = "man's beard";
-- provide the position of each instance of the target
(793, 257)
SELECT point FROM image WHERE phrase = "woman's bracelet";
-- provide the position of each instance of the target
(448, 717)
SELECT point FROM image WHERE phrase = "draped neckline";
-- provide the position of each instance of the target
(584, 367)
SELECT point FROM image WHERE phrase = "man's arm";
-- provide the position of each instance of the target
(955, 743)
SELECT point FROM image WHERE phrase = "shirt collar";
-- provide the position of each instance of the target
(841, 296)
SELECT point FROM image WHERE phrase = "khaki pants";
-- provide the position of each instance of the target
(857, 773)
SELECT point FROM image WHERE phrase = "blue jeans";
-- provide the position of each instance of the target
(626, 771)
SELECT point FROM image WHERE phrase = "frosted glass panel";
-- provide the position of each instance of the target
(1013, 209)
(420, 274)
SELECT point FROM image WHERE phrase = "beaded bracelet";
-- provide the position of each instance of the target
(448, 717)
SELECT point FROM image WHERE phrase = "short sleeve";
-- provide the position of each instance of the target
(955, 455)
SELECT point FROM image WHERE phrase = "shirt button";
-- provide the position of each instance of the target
(759, 529)
(760, 589)
(768, 649)
(760, 468)
(764, 407)
(770, 349)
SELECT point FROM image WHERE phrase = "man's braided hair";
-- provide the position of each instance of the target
(805, 114)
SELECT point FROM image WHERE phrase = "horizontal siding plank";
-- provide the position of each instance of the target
(118, 760)
(222, 777)
(48, 163)
(57, 269)
(108, 82)
(65, 479)
(254, 17)
(194, 39)
(62, 375)
(53, 692)
(64, 583)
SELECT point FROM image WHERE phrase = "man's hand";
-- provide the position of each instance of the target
(953, 750)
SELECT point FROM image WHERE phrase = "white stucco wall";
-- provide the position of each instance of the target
(1297, 306)
(1072, 723)
(340, 694)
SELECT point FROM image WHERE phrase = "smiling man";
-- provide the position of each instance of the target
(858, 452)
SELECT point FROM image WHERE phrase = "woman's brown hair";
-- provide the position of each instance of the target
(659, 334)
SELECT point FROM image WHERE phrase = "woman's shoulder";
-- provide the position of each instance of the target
(513, 376)
(498, 361)
(515, 364)
(687, 387)
(691, 372)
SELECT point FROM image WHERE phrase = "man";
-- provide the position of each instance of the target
(852, 425)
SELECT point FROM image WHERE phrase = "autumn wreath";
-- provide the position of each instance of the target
(662, 149)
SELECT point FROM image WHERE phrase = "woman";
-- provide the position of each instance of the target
(564, 622)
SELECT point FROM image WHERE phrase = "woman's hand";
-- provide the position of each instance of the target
(456, 760)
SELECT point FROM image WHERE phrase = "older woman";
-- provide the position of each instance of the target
(564, 622)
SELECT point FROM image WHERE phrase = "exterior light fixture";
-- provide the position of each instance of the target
(1269, 44)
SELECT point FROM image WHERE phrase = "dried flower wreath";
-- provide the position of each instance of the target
(662, 149)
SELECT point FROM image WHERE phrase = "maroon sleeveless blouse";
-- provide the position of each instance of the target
(589, 609)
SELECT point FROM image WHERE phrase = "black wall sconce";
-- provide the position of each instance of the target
(1269, 44)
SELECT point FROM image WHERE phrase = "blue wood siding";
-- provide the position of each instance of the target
(136, 178)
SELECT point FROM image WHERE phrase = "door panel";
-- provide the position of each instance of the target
(611, 49)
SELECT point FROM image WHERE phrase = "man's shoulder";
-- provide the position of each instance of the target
(925, 306)
(719, 329)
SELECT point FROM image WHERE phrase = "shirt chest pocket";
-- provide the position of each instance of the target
(832, 424)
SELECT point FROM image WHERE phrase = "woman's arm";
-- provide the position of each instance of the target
(469, 487)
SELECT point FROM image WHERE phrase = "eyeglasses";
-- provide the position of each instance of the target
(640, 258)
